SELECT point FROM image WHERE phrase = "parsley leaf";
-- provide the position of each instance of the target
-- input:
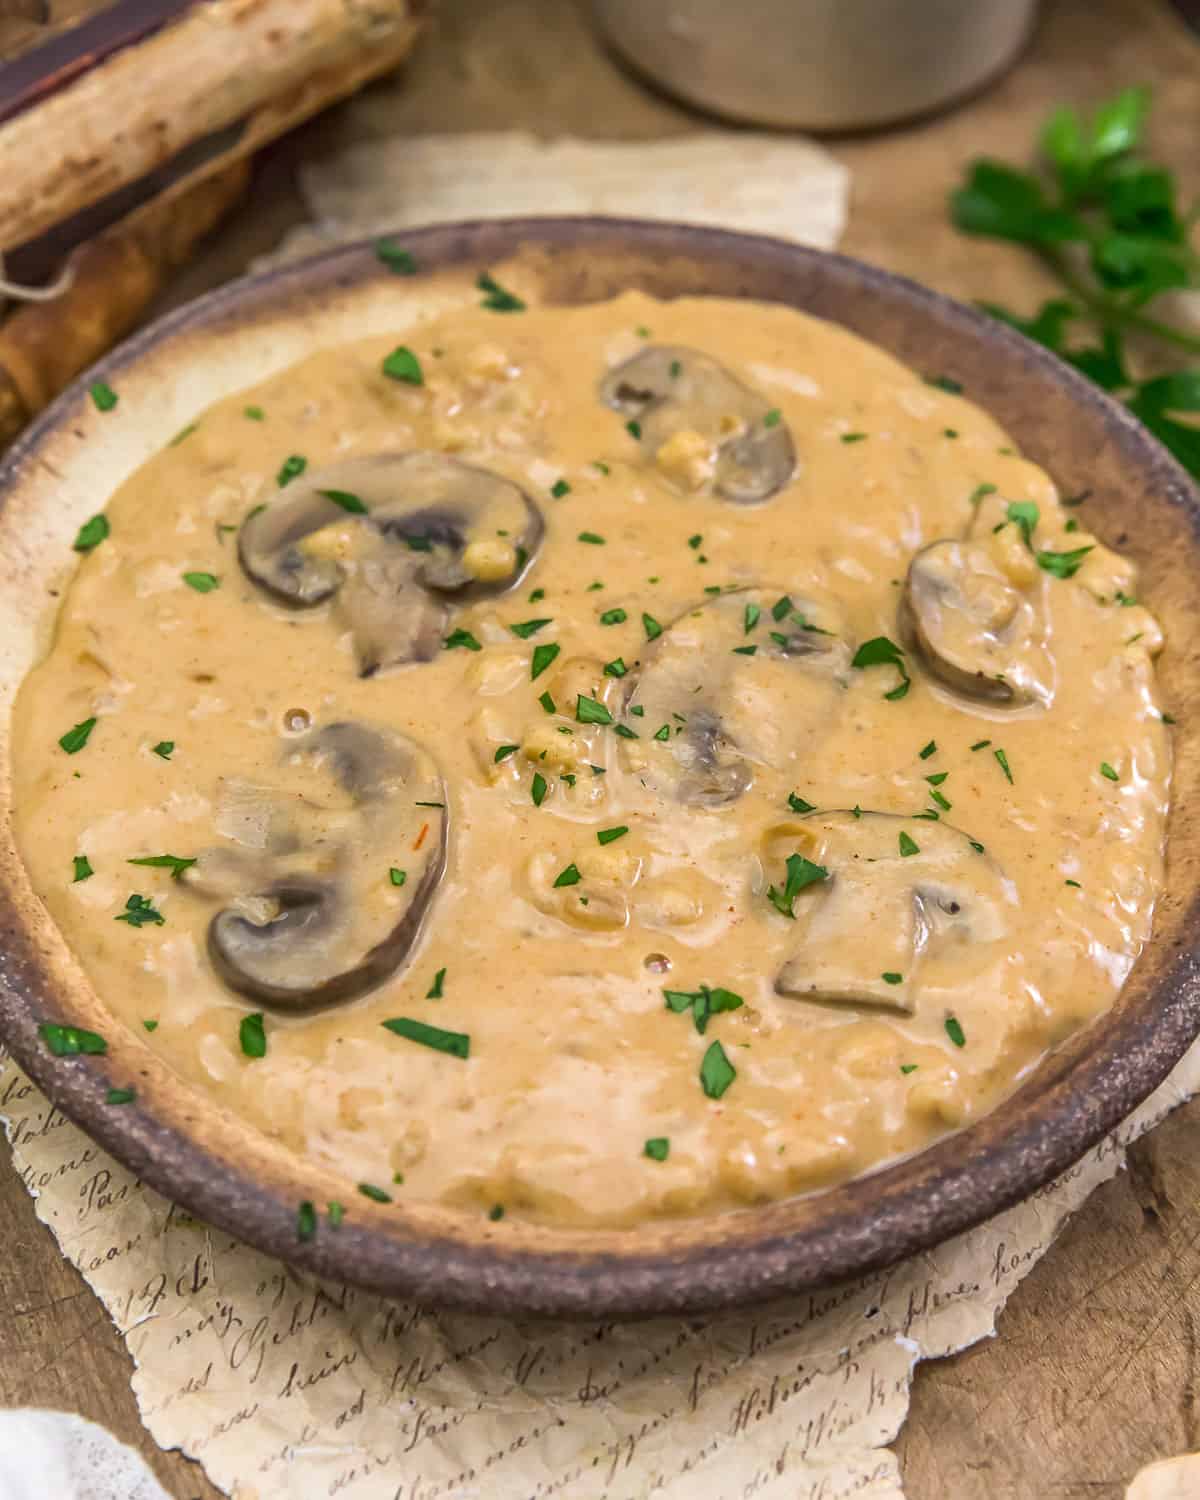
(801, 872)
(83, 868)
(395, 258)
(882, 652)
(528, 627)
(462, 638)
(496, 298)
(455, 1043)
(658, 1148)
(588, 711)
(252, 1035)
(543, 656)
(203, 583)
(76, 738)
(716, 1071)
(70, 1041)
(568, 876)
(403, 365)
(91, 534)
(171, 862)
(138, 911)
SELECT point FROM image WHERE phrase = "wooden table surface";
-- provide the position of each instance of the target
(1094, 1372)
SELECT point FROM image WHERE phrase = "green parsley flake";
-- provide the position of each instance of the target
(537, 790)
(76, 738)
(634, 429)
(1025, 514)
(455, 1043)
(434, 992)
(1062, 564)
(882, 652)
(773, 417)
(750, 618)
(291, 468)
(588, 711)
(171, 862)
(496, 298)
(658, 1148)
(1107, 770)
(626, 733)
(395, 258)
(616, 667)
(138, 911)
(397, 876)
(937, 778)
(695, 541)
(164, 749)
(980, 492)
(559, 488)
(462, 638)
(854, 437)
(70, 1041)
(91, 534)
(613, 617)
(944, 383)
(568, 876)
(908, 846)
(610, 835)
(376, 1194)
(528, 627)
(1073, 883)
(907, 1068)
(716, 1071)
(981, 744)
(702, 1003)
(927, 750)
(120, 1096)
(891, 977)
(937, 797)
(955, 1032)
(745, 650)
(203, 583)
(150, 1025)
(403, 365)
(1002, 762)
(651, 626)
(103, 395)
(337, 1213)
(949, 432)
(254, 413)
(663, 734)
(83, 868)
(253, 1035)
(306, 1221)
(547, 703)
(496, 1212)
(543, 656)
(593, 540)
(799, 805)
(504, 752)
(348, 502)
(781, 609)
(801, 872)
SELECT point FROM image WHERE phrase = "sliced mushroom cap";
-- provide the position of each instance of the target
(975, 631)
(865, 930)
(314, 917)
(742, 680)
(405, 536)
(669, 389)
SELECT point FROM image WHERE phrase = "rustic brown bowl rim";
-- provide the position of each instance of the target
(1079, 1094)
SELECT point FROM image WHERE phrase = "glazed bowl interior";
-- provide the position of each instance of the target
(225, 1172)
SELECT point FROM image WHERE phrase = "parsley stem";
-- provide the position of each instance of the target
(1106, 309)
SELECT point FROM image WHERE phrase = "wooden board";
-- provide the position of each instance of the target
(1094, 1372)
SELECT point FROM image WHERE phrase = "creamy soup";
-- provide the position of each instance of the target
(596, 763)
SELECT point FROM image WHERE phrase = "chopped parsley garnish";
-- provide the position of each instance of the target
(496, 1212)
(658, 1148)
(675, 369)
(651, 626)
(184, 432)
(542, 657)
(663, 734)
(434, 992)
(891, 977)
(750, 618)
(291, 468)
(854, 437)
(927, 750)
(559, 488)
(1073, 883)
(120, 1096)
(138, 911)
(83, 868)
(76, 738)
(937, 797)
(203, 583)
(1002, 762)
(908, 846)
(538, 789)
(528, 627)
(396, 876)
(634, 429)
(69, 1041)
(91, 534)
(150, 1025)
(937, 778)
(773, 417)
(395, 258)
(429, 804)
(254, 413)
(745, 650)
(944, 383)
(978, 847)
(955, 1032)
(613, 617)
(403, 365)
(981, 744)
(350, 503)
(548, 703)
(616, 667)
(504, 752)
(801, 872)
(798, 804)
(588, 711)
(610, 835)
(306, 1221)
(602, 467)
(103, 395)
(1168, 719)
(171, 862)
(592, 587)
(882, 652)
(708, 1000)
(568, 876)
(980, 492)
(376, 1194)
(1107, 770)
(456, 1043)
(949, 432)
(1025, 514)
(1063, 564)
(638, 710)
(595, 541)
(164, 749)
(496, 298)
(907, 1068)
(252, 1035)
(781, 609)
(694, 542)
(337, 1212)
(537, 595)
(626, 733)
(716, 1071)
(462, 638)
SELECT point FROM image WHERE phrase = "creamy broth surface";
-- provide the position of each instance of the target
(931, 955)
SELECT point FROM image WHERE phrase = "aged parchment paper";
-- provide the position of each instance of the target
(286, 1387)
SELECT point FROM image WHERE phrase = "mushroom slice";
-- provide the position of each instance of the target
(897, 892)
(311, 924)
(395, 539)
(975, 631)
(741, 680)
(674, 393)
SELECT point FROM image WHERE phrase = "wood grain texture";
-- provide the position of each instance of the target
(1094, 1370)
